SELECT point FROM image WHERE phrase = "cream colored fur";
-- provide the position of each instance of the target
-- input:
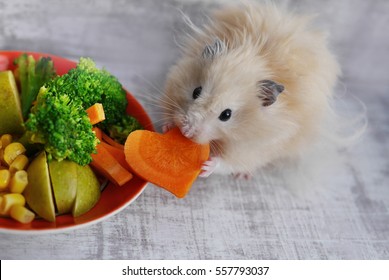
(262, 42)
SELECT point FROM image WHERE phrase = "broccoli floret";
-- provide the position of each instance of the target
(32, 75)
(125, 126)
(92, 85)
(62, 126)
(59, 121)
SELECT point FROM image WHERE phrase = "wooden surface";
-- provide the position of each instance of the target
(338, 211)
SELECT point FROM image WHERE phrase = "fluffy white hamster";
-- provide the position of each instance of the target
(255, 82)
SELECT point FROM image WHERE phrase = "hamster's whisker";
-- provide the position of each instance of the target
(150, 84)
(171, 104)
(158, 102)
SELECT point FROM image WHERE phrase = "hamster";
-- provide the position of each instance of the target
(256, 83)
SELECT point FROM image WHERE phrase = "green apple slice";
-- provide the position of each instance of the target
(11, 120)
(63, 176)
(38, 192)
(88, 190)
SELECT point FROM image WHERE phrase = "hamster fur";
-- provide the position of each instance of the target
(256, 83)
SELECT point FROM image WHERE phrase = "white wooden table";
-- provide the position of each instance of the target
(342, 214)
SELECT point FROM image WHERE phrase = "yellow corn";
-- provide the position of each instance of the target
(5, 177)
(19, 163)
(13, 180)
(9, 200)
(21, 214)
(18, 182)
(12, 151)
(6, 139)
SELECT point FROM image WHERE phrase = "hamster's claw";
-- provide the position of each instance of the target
(209, 166)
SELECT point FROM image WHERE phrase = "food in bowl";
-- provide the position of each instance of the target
(37, 136)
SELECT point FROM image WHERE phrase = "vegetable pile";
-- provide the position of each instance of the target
(62, 124)
(59, 120)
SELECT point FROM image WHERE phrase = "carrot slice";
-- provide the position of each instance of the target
(106, 164)
(96, 113)
(170, 160)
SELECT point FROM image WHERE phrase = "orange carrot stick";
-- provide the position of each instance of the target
(107, 165)
(96, 113)
(98, 132)
(112, 142)
(117, 153)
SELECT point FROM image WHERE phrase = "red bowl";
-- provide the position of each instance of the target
(113, 199)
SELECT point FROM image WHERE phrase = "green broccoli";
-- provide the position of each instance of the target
(32, 75)
(92, 85)
(62, 126)
(58, 119)
(125, 126)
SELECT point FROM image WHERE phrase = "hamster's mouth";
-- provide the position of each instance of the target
(192, 131)
(193, 134)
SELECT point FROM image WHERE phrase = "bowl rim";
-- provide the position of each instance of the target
(72, 227)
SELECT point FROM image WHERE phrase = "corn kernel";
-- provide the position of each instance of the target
(18, 181)
(6, 139)
(12, 151)
(21, 214)
(10, 200)
(19, 163)
(5, 177)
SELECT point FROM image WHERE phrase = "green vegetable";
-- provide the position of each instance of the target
(58, 121)
(61, 125)
(123, 128)
(32, 75)
(91, 85)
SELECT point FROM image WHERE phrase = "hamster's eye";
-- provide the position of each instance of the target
(197, 92)
(225, 115)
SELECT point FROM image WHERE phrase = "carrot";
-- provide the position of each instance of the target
(112, 142)
(107, 165)
(117, 153)
(170, 161)
(98, 132)
(96, 113)
(105, 138)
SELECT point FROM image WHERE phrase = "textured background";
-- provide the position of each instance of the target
(341, 214)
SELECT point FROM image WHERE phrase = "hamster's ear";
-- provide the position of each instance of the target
(210, 51)
(269, 91)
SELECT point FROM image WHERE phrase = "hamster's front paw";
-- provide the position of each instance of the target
(209, 166)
